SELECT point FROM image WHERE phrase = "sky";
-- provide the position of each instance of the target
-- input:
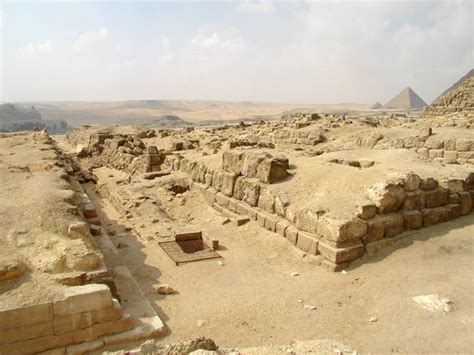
(292, 51)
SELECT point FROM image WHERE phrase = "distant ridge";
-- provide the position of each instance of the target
(407, 99)
(376, 106)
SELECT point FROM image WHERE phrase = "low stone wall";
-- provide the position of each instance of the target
(84, 314)
(406, 203)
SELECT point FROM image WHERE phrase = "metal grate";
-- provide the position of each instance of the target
(185, 251)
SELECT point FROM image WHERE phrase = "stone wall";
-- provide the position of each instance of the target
(86, 313)
(408, 202)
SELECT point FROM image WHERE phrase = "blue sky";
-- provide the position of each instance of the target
(294, 51)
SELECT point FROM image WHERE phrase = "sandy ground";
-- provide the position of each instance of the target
(252, 300)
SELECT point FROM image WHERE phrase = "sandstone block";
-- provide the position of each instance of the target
(414, 200)
(342, 254)
(291, 233)
(84, 298)
(412, 219)
(307, 242)
(466, 202)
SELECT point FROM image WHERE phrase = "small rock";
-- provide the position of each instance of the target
(220, 263)
(200, 323)
(344, 272)
(434, 303)
(164, 289)
(294, 274)
(300, 301)
(373, 319)
(310, 307)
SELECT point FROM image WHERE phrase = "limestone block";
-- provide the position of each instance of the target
(266, 200)
(339, 230)
(245, 210)
(387, 197)
(37, 345)
(307, 220)
(232, 205)
(414, 200)
(74, 322)
(208, 178)
(449, 145)
(435, 198)
(342, 254)
(281, 227)
(433, 216)
(428, 184)
(375, 229)
(433, 142)
(412, 182)
(454, 210)
(85, 348)
(273, 169)
(251, 162)
(291, 233)
(454, 198)
(281, 202)
(222, 200)
(270, 223)
(11, 268)
(435, 153)
(247, 190)
(228, 181)
(469, 182)
(26, 332)
(19, 317)
(307, 242)
(450, 155)
(393, 224)
(367, 211)
(466, 202)
(84, 298)
(101, 329)
(232, 161)
(89, 210)
(466, 155)
(261, 218)
(412, 219)
(465, 145)
(453, 185)
(423, 152)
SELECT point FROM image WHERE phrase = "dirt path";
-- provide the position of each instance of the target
(252, 300)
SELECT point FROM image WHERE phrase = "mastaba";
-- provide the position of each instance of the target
(407, 100)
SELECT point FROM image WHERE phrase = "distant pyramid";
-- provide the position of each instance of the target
(377, 106)
(458, 99)
(407, 100)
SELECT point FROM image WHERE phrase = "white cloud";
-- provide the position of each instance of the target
(86, 39)
(218, 37)
(37, 48)
(255, 7)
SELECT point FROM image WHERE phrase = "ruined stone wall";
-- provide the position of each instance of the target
(86, 313)
(405, 204)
